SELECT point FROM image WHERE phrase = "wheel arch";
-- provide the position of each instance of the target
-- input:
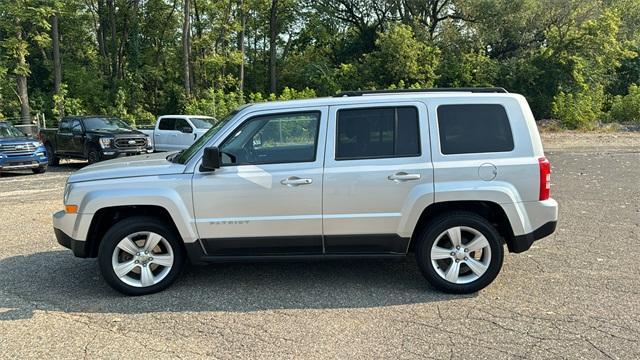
(106, 217)
(493, 212)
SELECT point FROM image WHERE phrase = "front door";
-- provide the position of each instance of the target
(266, 199)
(184, 138)
(381, 154)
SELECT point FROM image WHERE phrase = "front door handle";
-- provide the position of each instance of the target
(403, 176)
(295, 181)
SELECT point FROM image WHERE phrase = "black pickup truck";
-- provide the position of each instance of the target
(93, 138)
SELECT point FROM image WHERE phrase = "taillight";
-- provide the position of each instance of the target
(545, 178)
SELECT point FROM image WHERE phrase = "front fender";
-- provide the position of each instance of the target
(166, 198)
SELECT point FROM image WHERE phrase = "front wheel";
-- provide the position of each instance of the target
(93, 155)
(53, 159)
(460, 253)
(40, 169)
(140, 256)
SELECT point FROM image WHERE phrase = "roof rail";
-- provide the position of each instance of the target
(399, 91)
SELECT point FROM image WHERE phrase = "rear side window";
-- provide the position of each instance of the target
(167, 124)
(475, 128)
(377, 133)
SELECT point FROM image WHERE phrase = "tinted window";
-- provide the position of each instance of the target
(76, 127)
(167, 124)
(180, 124)
(377, 133)
(65, 126)
(282, 138)
(475, 128)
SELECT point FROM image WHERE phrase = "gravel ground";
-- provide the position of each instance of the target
(575, 294)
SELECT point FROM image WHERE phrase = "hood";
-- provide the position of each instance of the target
(129, 166)
(117, 132)
(17, 140)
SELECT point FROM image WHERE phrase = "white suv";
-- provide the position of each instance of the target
(449, 175)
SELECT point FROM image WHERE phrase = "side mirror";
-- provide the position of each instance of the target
(187, 130)
(210, 159)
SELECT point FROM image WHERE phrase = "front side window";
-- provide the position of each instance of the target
(271, 139)
(181, 124)
(474, 128)
(373, 133)
(76, 127)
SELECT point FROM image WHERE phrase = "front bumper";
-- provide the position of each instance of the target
(79, 248)
(24, 161)
(112, 153)
(71, 231)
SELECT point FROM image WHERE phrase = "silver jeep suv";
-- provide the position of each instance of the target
(449, 175)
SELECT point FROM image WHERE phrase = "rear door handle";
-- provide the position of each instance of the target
(403, 176)
(292, 181)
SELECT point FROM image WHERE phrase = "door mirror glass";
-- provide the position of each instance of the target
(210, 159)
(187, 130)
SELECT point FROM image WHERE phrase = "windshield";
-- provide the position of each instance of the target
(203, 123)
(8, 131)
(184, 155)
(105, 124)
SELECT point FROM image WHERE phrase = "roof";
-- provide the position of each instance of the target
(379, 97)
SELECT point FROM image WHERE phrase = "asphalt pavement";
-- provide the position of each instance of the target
(575, 294)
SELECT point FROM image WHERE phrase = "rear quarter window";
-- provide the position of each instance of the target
(474, 128)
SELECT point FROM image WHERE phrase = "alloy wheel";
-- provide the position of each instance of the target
(142, 259)
(461, 255)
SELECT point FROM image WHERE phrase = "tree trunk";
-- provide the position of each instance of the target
(243, 23)
(21, 79)
(55, 40)
(114, 46)
(186, 47)
(273, 33)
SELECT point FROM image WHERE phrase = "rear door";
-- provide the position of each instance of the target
(375, 157)
(163, 138)
(76, 142)
(64, 137)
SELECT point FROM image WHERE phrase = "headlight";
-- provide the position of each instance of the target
(67, 189)
(105, 142)
(36, 144)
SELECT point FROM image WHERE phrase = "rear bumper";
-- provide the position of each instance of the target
(522, 243)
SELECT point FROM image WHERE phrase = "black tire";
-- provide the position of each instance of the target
(40, 170)
(447, 221)
(53, 159)
(127, 227)
(93, 155)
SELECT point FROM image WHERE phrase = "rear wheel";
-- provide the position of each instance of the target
(53, 159)
(140, 255)
(93, 155)
(460, 253)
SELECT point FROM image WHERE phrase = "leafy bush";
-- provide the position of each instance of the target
(626, 108)
(579, 110)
